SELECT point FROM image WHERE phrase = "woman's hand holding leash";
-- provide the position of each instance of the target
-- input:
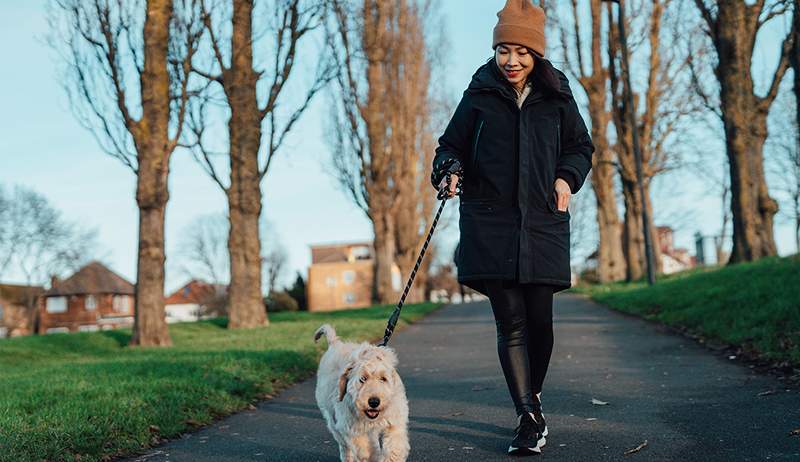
(563, 194)
(449, 185)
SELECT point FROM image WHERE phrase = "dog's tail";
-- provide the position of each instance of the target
(328, 331)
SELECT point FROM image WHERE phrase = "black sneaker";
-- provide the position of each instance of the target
(537, 414)
(526, 436)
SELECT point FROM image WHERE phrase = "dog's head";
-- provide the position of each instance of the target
(370, 379)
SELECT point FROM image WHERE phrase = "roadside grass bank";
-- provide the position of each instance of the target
(753, 306)
(89, 397)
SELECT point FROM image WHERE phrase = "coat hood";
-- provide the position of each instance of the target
(489, 76)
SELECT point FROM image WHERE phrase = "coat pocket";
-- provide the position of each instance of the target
(552, 204)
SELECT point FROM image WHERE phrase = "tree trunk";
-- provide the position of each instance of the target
(384, 246)
(633, 234)
(154, 151)
(246, 308)
(753, 208)
(733, 31)
(610, 255)
(150, 326)
(795, 62)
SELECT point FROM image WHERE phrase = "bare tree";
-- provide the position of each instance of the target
(37, 243)
(661, 106)
(274, 264)
(416, 124)
(795, 61)
(376, 149)
(128, 81)
(732, 27)
(592, 74)
(204, 249)
(785, 162)
(256, 129)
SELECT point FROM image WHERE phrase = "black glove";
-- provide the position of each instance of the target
(449, 168)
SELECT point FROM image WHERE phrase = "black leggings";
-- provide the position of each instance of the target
(524, 317)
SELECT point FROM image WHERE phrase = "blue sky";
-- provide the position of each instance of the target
(43, 147)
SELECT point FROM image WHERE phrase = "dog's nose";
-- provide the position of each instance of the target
(374, 402)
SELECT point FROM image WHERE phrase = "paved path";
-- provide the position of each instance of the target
(689, 404)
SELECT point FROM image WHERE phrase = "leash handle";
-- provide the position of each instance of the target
(443, 195)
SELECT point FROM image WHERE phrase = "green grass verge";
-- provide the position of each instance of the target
(89, 397)
(753, 305)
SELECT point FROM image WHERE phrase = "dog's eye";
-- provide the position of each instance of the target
(384, 379)
(362, 379)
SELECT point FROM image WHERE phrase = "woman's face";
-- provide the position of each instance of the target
(515, 61)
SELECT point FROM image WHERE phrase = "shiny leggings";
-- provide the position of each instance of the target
(524, 317)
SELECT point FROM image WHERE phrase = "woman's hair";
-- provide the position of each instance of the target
(543, 76)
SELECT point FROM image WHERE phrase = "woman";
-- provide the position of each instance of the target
(515, 150)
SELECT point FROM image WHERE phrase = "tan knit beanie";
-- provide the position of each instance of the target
(522, 23)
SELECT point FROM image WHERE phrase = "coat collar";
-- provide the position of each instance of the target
(490, 77)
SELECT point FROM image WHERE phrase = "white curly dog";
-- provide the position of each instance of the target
(363, 400)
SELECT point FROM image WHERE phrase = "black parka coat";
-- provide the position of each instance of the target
(510, 227)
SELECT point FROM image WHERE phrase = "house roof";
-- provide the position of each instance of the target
(94, 278)
(195, 292)
(19, 294)
(340, 252)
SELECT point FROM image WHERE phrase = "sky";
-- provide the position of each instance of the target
(43, 147)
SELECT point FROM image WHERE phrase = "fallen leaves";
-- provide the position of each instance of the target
(597, 402)
(765, 393)
(636, 449)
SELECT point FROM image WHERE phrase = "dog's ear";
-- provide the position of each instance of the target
(343, 381)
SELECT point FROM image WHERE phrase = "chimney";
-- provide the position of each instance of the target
(54, 281)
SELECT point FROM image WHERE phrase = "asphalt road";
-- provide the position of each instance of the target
(686, 402)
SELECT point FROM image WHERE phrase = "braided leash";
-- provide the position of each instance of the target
(396, 313)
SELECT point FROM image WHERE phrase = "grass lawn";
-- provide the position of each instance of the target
(88, 397)
(755, 305)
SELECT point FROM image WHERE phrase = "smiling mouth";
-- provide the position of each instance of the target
(372, 413)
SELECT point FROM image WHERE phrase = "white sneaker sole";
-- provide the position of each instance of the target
(539, 443)
(515, 450)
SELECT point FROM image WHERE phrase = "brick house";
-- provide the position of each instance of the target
(93, 298)
(18, 304)
(673, 259)
(196, 300)
(340, 276)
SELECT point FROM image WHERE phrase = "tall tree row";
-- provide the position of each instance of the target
(255, 131)
(127, 74)
(381, 126)
(415, 144)
(732, 27)
(594, 58)
(659, 106)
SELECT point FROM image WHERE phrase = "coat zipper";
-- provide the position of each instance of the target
(475, 147)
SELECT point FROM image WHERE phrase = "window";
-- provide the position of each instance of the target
(88, 328)
(349, 276)
(360, 252)
(396, 279)
(90, 303)
(58, 330)
(1, 311)
(330, 281)
(121, 303)
(57, 304)
(349, 297)
(3, 332)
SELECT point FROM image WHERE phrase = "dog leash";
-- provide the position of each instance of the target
(396, 313)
